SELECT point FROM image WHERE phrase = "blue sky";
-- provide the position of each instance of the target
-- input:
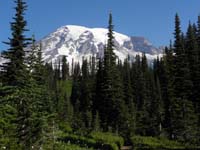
(153, 19)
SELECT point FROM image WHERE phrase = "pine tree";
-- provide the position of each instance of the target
(96, 122)
(142, 93)
(129, 100)
(182, 73)
(42, 103)
(15, 74)
(192, 56)
(93, 67)
(98, 97)
(156, 107)
(65, 108)
(112, 104)
(31, 54)
(86, 96)
(7, 119)
(182, 90)
(65, 68)
(76, 91)
(198, 31)
(198, 102)
(166, 76)
(127, 84)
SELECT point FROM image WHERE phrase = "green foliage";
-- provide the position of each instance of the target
(96, 122)
(14, 71)
(65, 68)
(78, 140)
(112, 106)
(108, 138)
(69, 87)
(68, 146)
(7, 127)
(64, 106)
(141, 142)
(95, 140)
(65, 127)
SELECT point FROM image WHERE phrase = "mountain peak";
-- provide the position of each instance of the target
(76, 42)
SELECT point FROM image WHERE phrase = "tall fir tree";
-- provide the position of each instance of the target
(112, 100)
(98, 97)
(14, 71)
(181, 106)
(129, 100)
(193, 61)
(182, 73)
(65, 68)
(15, 74)
(198, 43)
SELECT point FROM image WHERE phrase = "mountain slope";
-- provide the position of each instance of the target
(77, 42)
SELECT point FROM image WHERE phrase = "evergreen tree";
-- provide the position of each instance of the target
(113, 104)
(14, 71)
(142, 101)
(193, 60)
(76, 91)
(42, 104)
(98, 97)
(65, 111)
(65, 68)
(86, 96)
(129, 100)
(31, 54)
(198, 88)
(156, 108)
(8, 116)
(182, 73)
(182, 89)
(166, 76)
(15, 74)
(93, 67)
(128, 97)
(96, 122)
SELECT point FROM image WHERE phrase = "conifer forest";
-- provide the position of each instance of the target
(103, 103)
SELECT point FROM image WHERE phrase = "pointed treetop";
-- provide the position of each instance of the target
(110, 17)
(177, 23)
(177, 35)
(33, 38)
(198, 21)
(110, 22)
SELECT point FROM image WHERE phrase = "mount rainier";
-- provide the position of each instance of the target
(76, 42)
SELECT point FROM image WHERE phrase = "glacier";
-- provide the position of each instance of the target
(78, 42)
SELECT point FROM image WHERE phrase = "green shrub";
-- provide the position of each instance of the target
(65, 127)
(79, 140)
(108, 138)
(68, 146)
(141, 142)
(96, 140)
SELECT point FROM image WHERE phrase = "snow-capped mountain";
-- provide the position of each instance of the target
(77, 42)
